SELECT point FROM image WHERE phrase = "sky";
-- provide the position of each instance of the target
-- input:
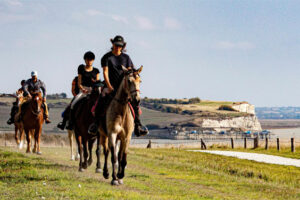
(215, 50)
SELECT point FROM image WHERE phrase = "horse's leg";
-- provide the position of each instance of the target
(70, 135)
(104, 141)
(90, 145)
(21, 130)
(16, 134)
(28, 137)
(35, 140)
(112, 145)
(38, 140)
(80, 150)
(77, 156)
(98, 153)
(85, 154)
(122, 160)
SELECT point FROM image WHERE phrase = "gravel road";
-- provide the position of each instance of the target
(256, 157)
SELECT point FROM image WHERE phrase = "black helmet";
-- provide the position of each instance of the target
(89, 56)
(118, 40)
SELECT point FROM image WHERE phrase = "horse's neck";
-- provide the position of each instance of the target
(120, 105)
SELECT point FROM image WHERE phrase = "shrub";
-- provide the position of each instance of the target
(226, 107)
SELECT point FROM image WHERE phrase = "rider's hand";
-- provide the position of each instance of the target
(110, 89)
(29, 96)
(84, 90)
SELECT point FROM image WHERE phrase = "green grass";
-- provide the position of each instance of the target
(151, 174)
(214, 103)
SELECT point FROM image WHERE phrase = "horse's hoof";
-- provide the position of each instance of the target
(28, 151)
(105, 175)
(90, 162)
(39, 153)
(120, 181)
(21, 145)
(98, 170)
(84, 165)
(77, 157)
(81, 169)
(114, 182)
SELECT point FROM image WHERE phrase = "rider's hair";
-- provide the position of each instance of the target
(22, 82)
(89, 56)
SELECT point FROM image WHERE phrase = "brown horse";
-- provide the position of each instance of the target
(120, 124)
(32, 118)
(85, 141)
(19, 125)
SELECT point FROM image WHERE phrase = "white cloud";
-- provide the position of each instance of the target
(234, 45)
(13, 3)
(117, 18)
(171, 23)
(144, 23)
(92, 12)
(9, 18)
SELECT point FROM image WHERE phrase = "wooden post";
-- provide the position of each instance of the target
(255, 142)
(232, 144)
(292, 145)
(267, 144)
(245, 143)
(278, 146)
(203, 146)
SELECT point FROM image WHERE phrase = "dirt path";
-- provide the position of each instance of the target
(256, 157)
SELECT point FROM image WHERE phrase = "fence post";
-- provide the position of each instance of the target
(278, 145)
(203, 146)
(267, 144)
(292, 145)
(245, 143)
(232, 144)
(255, 145)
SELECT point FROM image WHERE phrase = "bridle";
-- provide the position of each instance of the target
(37, 98)
(128, 74)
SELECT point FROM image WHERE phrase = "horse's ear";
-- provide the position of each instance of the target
(124, 68)
(140, 69)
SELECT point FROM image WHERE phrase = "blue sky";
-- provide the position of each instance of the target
(217, 50)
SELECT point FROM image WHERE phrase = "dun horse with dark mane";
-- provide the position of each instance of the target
(117, 127)
(33, 118)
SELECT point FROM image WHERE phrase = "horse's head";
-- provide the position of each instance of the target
(19, 97)
(132, 83)
(37, 101)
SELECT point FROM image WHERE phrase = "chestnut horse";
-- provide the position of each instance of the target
(33, 118)
(19, 125)
(120, 125)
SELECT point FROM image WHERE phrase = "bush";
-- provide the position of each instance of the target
(226, 107)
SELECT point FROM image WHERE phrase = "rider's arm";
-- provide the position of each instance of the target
(25, 89)
(43, 88)
(98, 77)
(106, 78)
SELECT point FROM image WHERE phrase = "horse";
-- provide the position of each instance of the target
(33, 118)
(19, 125)
(83, 118)
(119, 125)
(71, 136)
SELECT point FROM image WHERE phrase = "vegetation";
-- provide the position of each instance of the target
(226, 107)
(151, 174)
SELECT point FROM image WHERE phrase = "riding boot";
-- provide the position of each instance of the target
(62, 124)
(13, 112)
(139, 129)
(70, 125)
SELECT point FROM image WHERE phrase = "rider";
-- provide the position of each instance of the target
(75, 91)
(87, 75)
(34, 84)
(15, 108)
(112, 63)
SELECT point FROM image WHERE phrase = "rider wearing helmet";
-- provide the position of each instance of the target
(33, 85)
(14, 109)
(113, 73)
(87, 75)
